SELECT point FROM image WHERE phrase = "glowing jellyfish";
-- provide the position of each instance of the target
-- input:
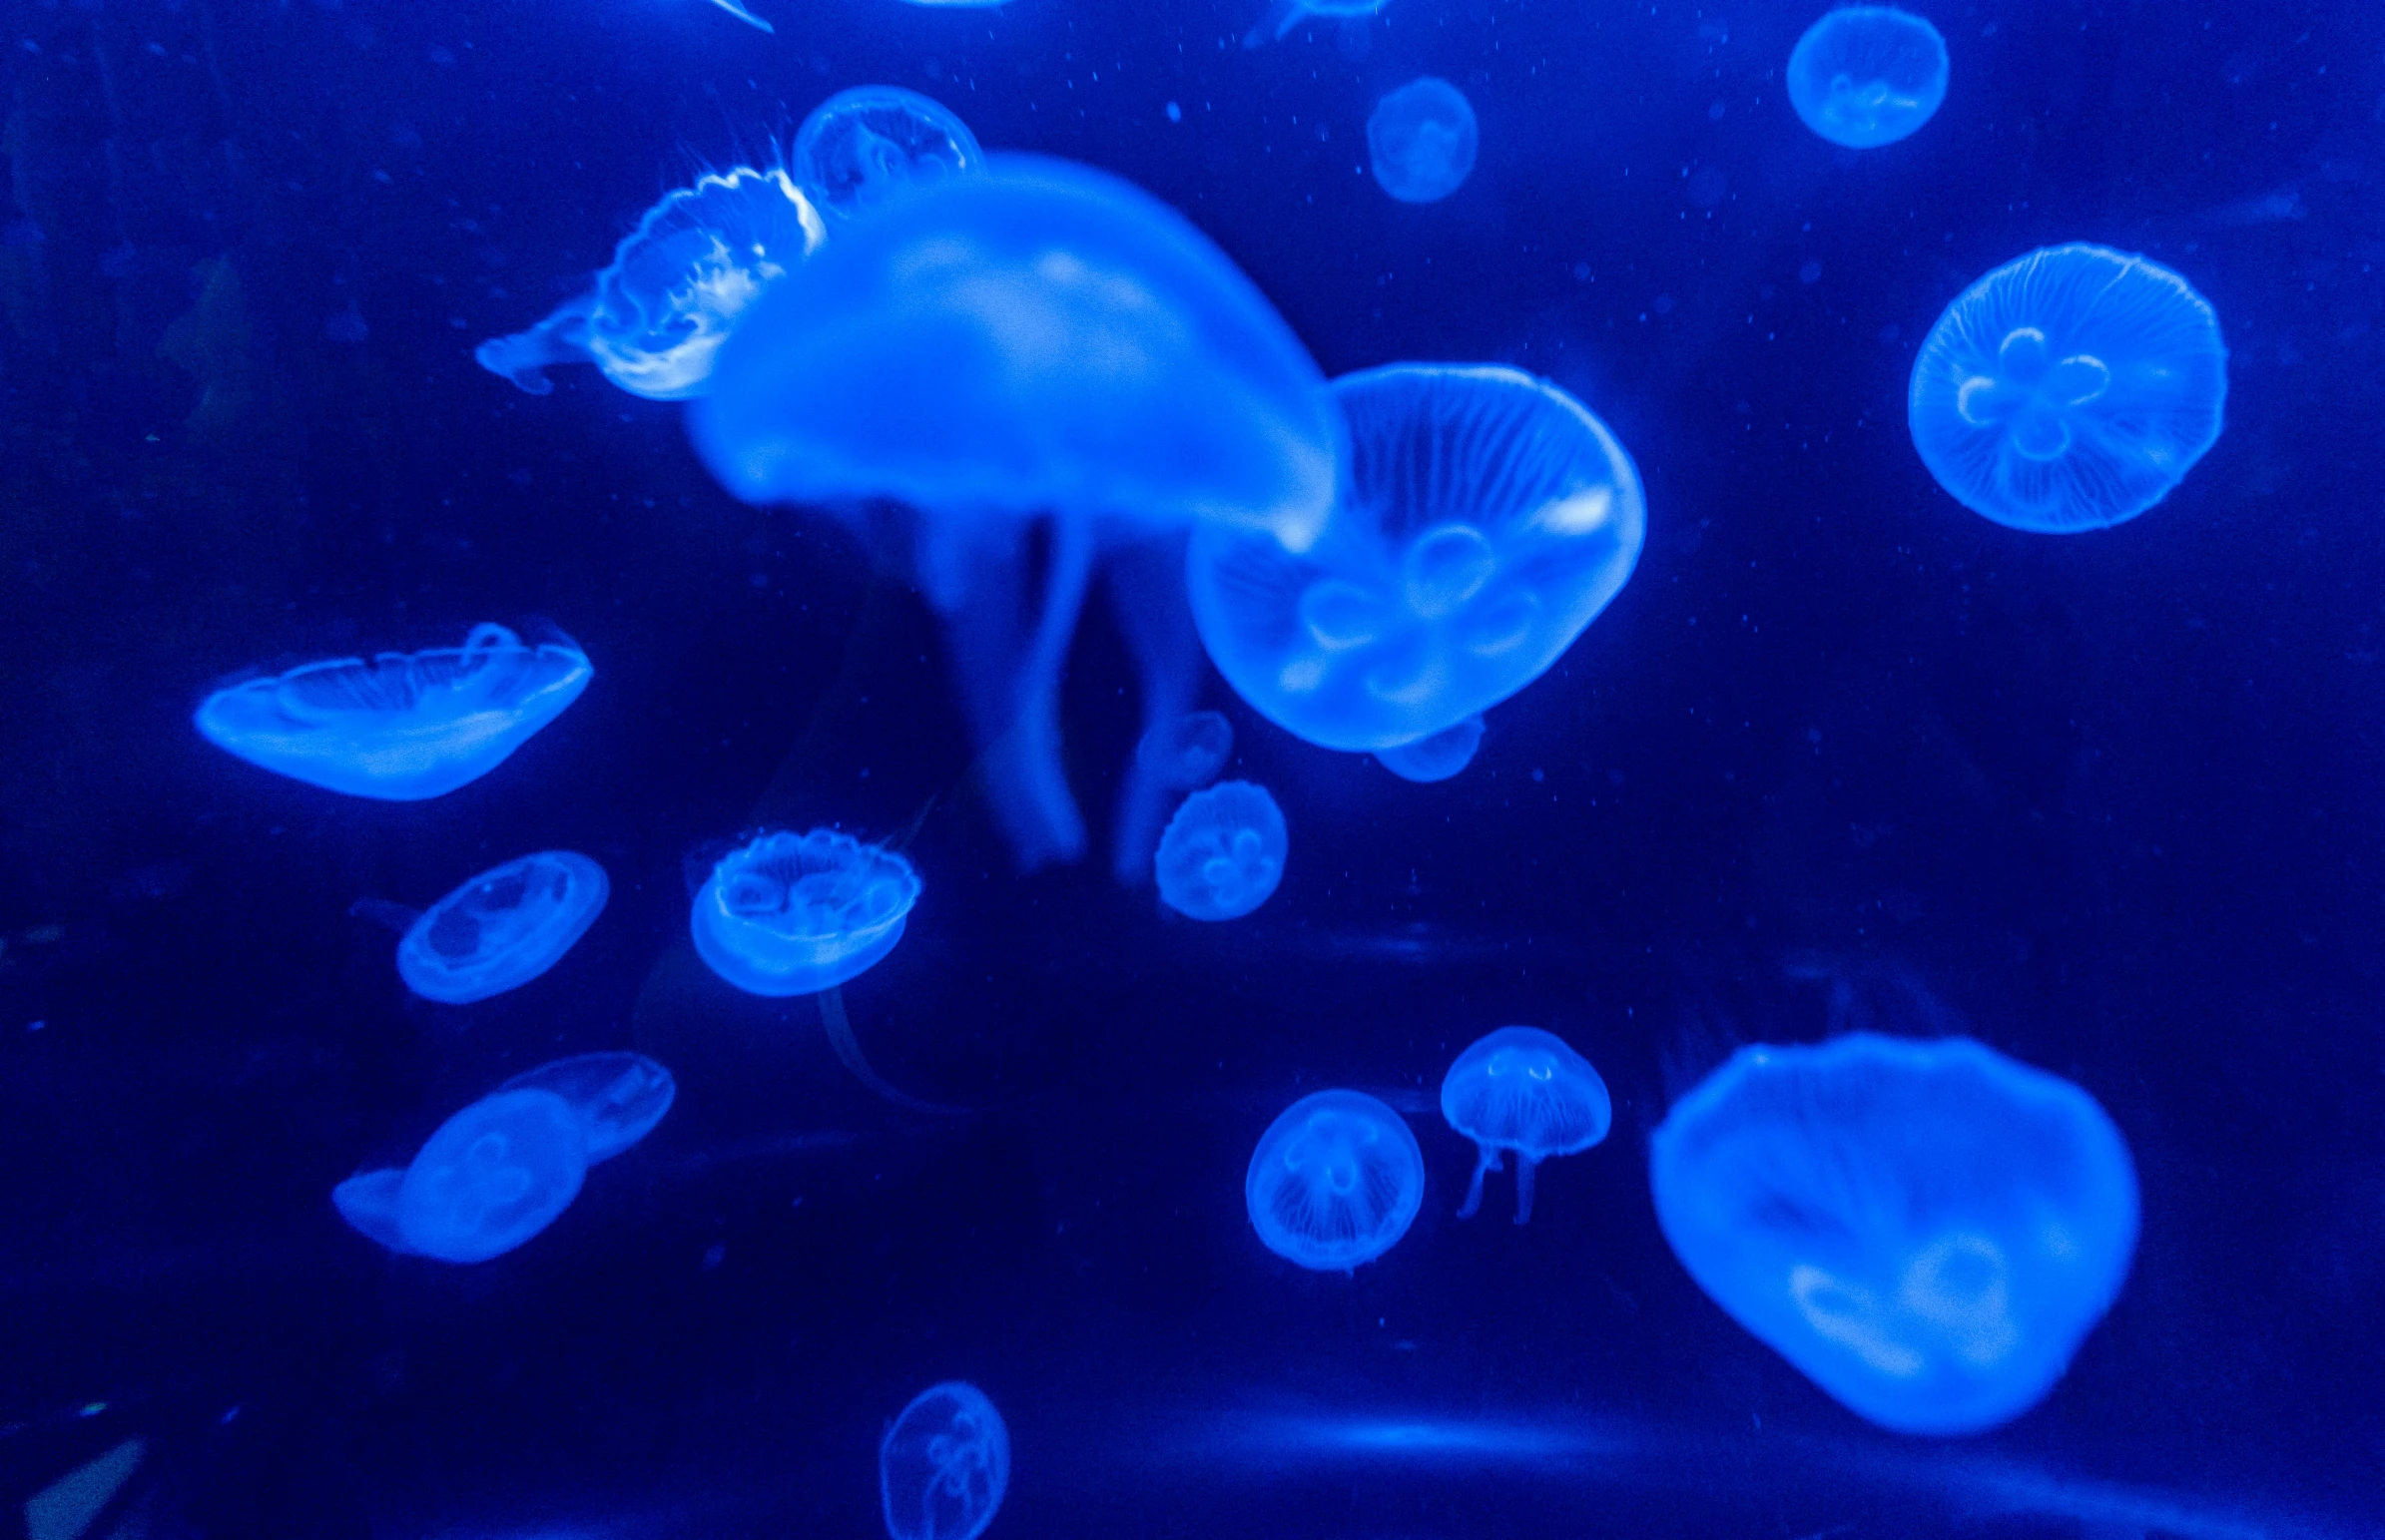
(405, 725)
(618, 1097)
(2069, 389)
(504, 928)
(679, 285)
(1524, 1089)
(1867, 75)
(1037, 344)
(1336, 1181)
(1186, 753)
(1438, 757)
(1222, 856)
(1487, 518)
(860, 147)
(1927, 1230)
(1284, 15)
(1179, 751)
(1422, 139)
(793, 914)
(737, 9)
(493, 1175)
(943, 1465)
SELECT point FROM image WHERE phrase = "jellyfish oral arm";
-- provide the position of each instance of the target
(1486, 1161)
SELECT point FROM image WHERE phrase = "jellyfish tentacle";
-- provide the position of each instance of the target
(1023, 764)
(849, 1053)
(1148, 600)
(1526, 1167)
(1485, 1161)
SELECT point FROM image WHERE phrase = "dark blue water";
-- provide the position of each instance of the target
(1842, 754)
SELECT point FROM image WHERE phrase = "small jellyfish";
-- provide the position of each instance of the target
(1926, 1230)
(493, 1175)
(1186, 753)
(2069, 389)
(618, 1097)
(1179, 751)
(1524, 1089)
(1485, 519)
(504, 928)
(1336, 1181)
(1284, 15)
(860, 147)
(405, 725)
(1222, 856)
(1867, 75)
(1422, 139)
(1438, 757)
(794, 914)
(943, 1465)
(678, 288)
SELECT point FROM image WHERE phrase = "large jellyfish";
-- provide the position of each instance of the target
(1486, 520)
(1524, 1089)
(405, 725)
(1043, 363)
(679, 285)
(1867, 75)
(1222, 856)
(1422, 139)
(943, 1464)
(793, 914)
(1336, 1181)
(1927, 1230)
(504, 928)
(1284, 15)
(861, 146)
(2069, 389)
(1437, 758)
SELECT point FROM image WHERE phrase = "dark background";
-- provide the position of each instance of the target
(2105, 801)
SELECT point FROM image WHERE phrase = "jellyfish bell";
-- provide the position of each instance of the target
(1184, 754)
(618, 1097)
(502, 929)
(1524, 1089)
(1864, 76)
(405, 726)
(1222, 854)
(1422, 139)
(1487, 519)
(1436, 757)
(1336, 1181)
(1284, 15)
(794, 914)
(864, 146)
(492, 1176)
(943, 1464)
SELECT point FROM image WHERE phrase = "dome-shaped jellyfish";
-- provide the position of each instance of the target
(504, 928)
(1185, 753)
(1179, 751)
(1336, 1181)
(1437, 758)
(1222, 856)
(2069, 389)
(793, 914)
(405, 725)
(1524, 1089)
(1927, 1230)
(943, 1465)
(493, 1175)
(1867, 75)
(618, 1097)
(1487, 518)
(1284, 15)
(860, 147)
(1422, 139)
(1037, 344)
(679, 285)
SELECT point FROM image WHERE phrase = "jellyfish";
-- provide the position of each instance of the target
(617, 1097)
(1186, 753)
(1222, 856)
(1042, 364)
(1336, 1181)
(504, 928)
(737, 9)
(2069, 389)
(860, 147)
(1284, 15)
(493, 1175)
(679, 285)
(1926, 1230)
(405, 725)
(793, 914)
(1179, 751)
(1437, 758)
(1421, 139)
(1867, 75)
(943, 1464)
(1487, 519)
(1524, 1089)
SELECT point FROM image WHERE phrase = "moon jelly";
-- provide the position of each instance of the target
(1336, 1181)
(1438, 757)
(1524, 1089)
(1487, 519)
(1286, 14)
(1927, 1230)
(1422, 139)
(679, 285)
(943, 1465)
(504, 928)
(793, 914)
(405, 725)
(618, 1097)
(1036, 346)
(2069, 389)
(1186, 753)
(493, 1175)
(860, 147)
(1867, 75)
(1222, 856)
